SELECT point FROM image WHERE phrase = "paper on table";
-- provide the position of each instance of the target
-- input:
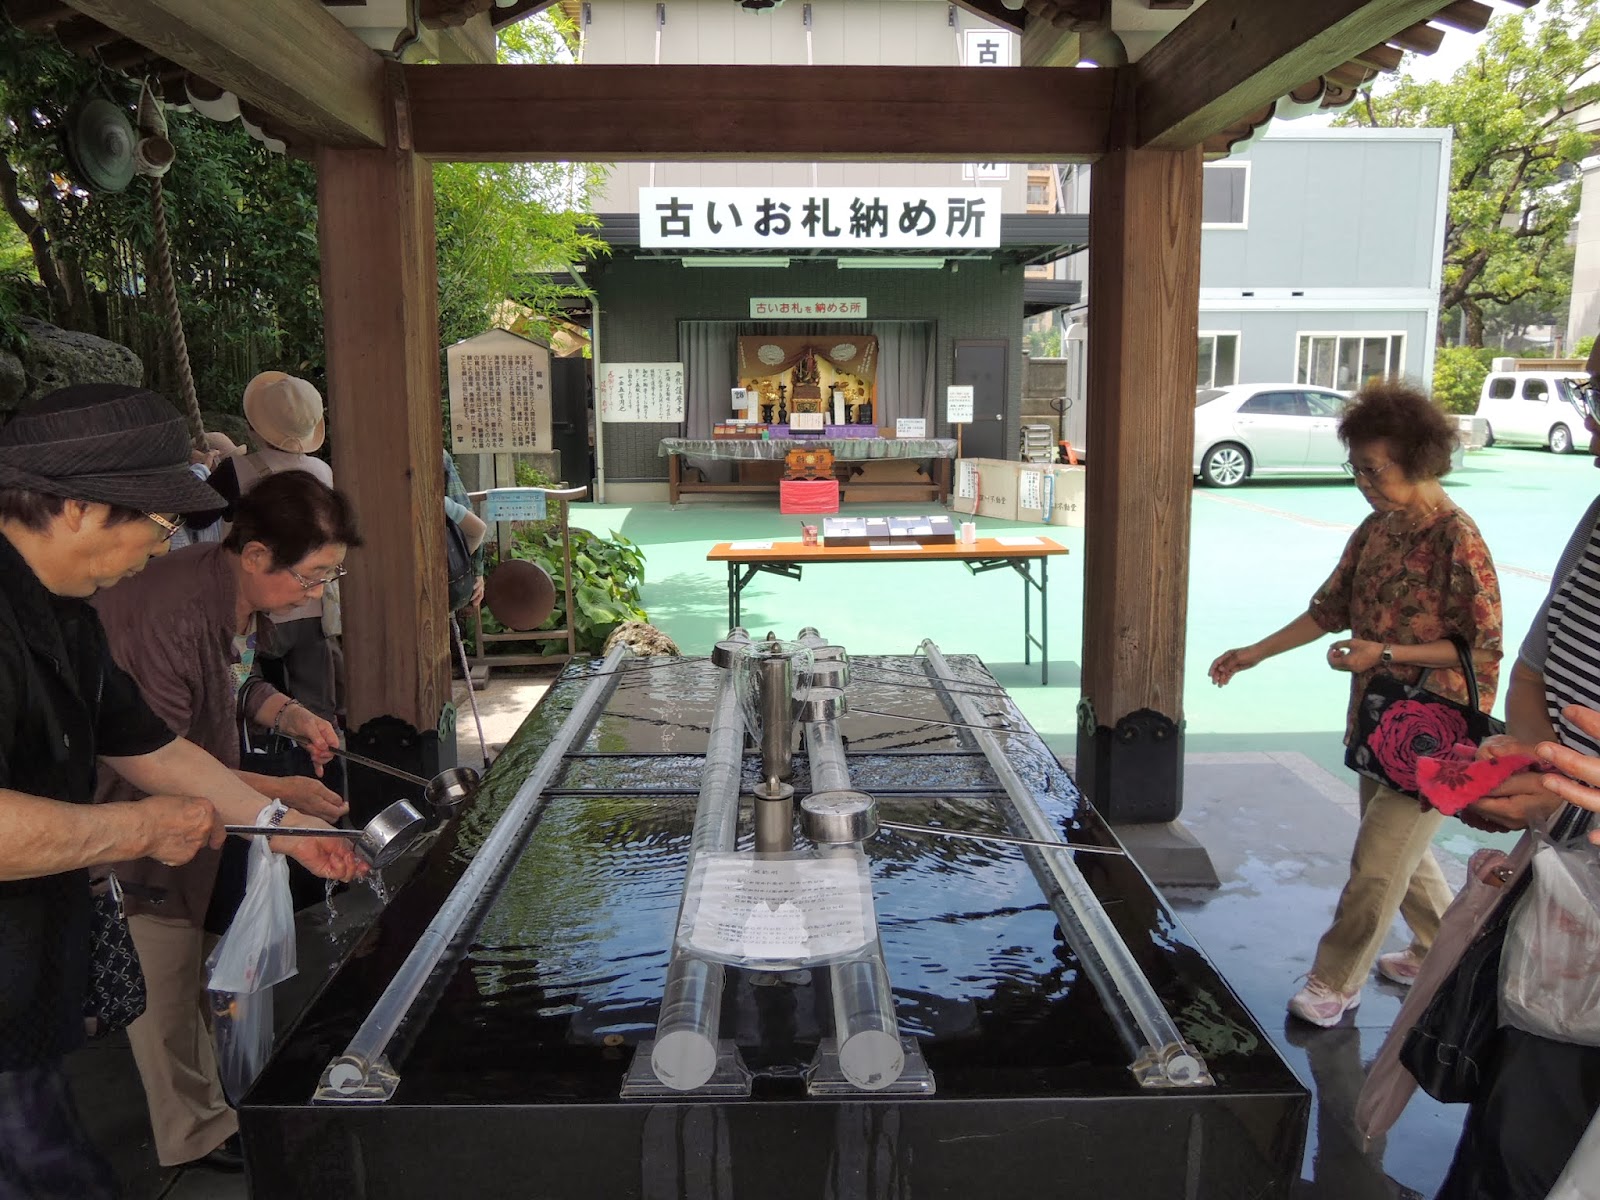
(749, 545)
(902, 544)
(1020, 541)
(748, 908)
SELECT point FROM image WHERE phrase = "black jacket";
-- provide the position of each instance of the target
(62, 701)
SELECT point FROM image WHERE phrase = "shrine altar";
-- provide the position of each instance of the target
(933, 484)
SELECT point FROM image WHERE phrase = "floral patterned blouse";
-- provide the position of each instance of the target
(1409, 586)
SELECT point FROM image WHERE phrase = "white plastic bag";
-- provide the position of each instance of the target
(1550, 967)
(259, 949)
(257, 952)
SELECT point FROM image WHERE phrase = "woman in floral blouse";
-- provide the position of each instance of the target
(1413, 574)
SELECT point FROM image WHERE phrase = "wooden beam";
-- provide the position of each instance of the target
(1421, 38)
(995, 12)
(381, 320)
(1466, 15)
(1232, 56)
(1381, 58)
(289, 58)
(777, 114)
(1144, 315)
(1045, 45)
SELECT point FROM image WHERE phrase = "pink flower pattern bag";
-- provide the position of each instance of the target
(1399, 723)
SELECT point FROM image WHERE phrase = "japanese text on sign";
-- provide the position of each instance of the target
(515, 504)
(774, 218)
(832, 308)
(642, 392)
(499, 402)
(910, 427)
(958, 404)
(986, 48)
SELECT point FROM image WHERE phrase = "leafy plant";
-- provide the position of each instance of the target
(1458, 375)
(607, 573)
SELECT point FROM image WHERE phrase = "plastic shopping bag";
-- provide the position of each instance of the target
(1550, 967)
(1581, 1179)
(257, 952)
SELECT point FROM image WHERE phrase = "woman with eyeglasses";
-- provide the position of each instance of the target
(188, 629)
(1413, 574)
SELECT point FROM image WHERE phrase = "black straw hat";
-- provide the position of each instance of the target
(108, 443)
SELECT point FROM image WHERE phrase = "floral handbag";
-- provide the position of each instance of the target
(116, 996)
(1397, 723)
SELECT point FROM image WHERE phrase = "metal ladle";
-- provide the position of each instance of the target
(445, 793)
(384, 838)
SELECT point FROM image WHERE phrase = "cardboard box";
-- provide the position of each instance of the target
(987, 487)
(1066, 504)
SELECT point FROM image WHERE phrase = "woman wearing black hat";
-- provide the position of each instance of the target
(94, 480)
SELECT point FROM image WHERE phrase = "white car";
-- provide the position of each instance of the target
(1533, 408)
(1249, 429)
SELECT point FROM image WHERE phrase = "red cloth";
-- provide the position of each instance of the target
(1453, 779)
(808, 495)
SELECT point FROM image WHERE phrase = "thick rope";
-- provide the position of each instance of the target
(169, 303)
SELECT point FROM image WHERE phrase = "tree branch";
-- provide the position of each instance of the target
(38, 238)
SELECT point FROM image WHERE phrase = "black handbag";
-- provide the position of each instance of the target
(1449, 1049)
(116, 996)
(1397, 723)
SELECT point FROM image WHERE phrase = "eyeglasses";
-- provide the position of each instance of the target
(1588, 400)
(169, 525)
(1370, 474)
(307, 585)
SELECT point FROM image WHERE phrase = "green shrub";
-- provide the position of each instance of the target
(1458, 375)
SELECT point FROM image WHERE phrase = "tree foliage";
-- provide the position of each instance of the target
(243, 230)
(1513, 183)
(1458, 375)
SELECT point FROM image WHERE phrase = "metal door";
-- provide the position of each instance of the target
(985, 366)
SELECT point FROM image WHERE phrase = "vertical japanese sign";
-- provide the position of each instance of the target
(499, 394)
(986, 48)
(642, 393)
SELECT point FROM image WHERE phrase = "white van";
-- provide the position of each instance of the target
(1532, 408)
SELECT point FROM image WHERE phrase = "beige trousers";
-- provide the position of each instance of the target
(189, 1113)
(1391, 869)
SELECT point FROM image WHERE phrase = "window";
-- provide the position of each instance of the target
(1274, 404)
(1537, 390)
(1219, 360)
(1324, 404)
(1225, 200)
(1038, 193)
(1502, 387)
(1345, 361)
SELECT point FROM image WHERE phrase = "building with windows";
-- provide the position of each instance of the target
(1320, 260)
(1320, 257)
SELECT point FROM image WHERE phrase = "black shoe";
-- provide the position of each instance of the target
(227, 1157)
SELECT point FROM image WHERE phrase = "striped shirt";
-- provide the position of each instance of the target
(1564, 643)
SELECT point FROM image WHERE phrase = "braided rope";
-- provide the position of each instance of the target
(174, 318)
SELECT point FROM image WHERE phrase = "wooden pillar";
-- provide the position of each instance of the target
(380, 312)
(1144, 296)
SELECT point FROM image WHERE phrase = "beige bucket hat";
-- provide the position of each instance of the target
(285, 412)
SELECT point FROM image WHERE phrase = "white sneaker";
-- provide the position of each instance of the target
(1321, 1005)
(1400, 967)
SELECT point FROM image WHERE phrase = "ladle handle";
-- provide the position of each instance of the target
(362, 760)
(293, 831)
(1003, 839)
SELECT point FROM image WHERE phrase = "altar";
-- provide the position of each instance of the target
(931, 480)
(833, 374)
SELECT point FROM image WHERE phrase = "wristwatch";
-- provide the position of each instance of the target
(1386, 655)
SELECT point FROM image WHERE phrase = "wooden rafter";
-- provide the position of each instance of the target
(1232, 56)
(289, 58)
(778, 114)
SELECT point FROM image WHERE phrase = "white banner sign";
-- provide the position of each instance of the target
(810, 218)
(642, 392)
(987, 47)
(958, 404)
(830, 309)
